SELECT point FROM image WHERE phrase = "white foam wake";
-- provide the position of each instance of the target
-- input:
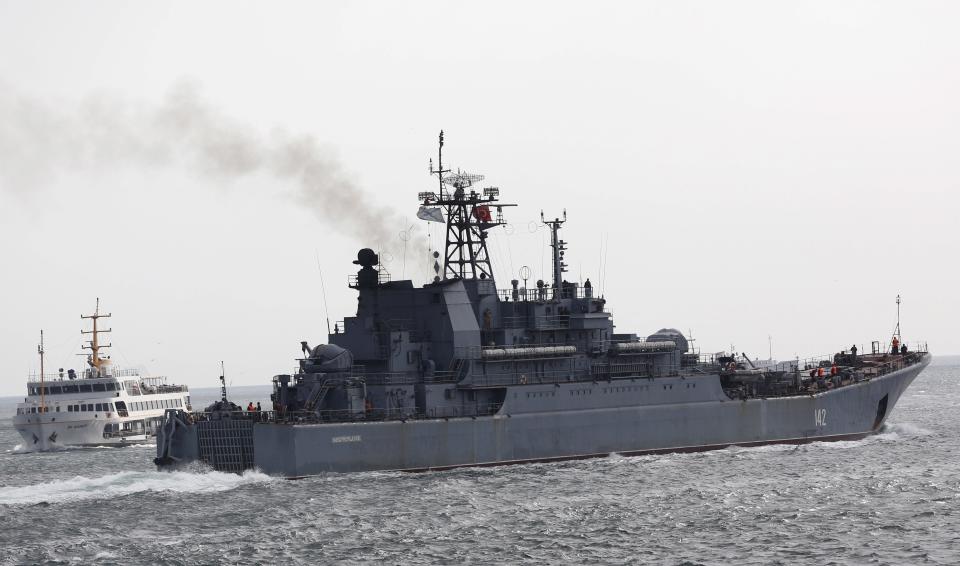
(908, 429)
(125, 483)
(23, 449)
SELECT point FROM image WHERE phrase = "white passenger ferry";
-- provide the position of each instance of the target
(99, 406)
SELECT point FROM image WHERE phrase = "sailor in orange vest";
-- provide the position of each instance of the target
(896, 345)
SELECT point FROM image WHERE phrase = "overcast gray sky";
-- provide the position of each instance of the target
(758, 168)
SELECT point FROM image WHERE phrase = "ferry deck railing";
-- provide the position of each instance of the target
(85, 375)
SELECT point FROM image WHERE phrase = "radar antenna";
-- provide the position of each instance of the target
(559, 247)
(469, 214)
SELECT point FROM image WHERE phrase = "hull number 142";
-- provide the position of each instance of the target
(820, 417)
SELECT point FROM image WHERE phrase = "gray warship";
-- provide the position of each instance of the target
(459, 372)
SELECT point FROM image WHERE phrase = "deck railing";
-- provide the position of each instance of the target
(334, 416)
(545, 294)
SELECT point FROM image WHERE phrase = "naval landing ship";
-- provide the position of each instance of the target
(459, 372)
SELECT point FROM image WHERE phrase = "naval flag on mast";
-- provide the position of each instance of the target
(430, 214)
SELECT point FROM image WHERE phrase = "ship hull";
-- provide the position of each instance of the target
(678, 416)
(56, 431)
(56, 435)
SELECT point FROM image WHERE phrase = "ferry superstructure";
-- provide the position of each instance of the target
(99, 406)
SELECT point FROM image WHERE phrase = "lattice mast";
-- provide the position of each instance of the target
(469, 215)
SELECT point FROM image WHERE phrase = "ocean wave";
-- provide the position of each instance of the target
(906, 429)
(81, 488)
(21, 449)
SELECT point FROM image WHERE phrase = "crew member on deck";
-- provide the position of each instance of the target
(853, 350)
(896, 345)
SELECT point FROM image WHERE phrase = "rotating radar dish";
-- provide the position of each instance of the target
(462, 180)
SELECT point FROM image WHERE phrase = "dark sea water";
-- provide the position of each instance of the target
(893, 498)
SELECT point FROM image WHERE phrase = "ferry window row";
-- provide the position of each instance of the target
(32, 410)
(78, 408)
(90, 407)
(158, 404)
(75, 388)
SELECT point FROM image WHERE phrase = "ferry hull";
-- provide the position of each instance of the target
(49, 434)
(675, 420)
(53, 435)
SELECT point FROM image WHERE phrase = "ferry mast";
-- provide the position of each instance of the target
(94, 345)
(43, 404)
(469, 215)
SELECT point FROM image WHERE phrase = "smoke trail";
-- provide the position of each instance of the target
(40, 142)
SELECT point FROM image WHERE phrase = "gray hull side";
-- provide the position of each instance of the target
(848, 412)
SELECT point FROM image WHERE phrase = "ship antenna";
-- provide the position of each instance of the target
(897, 331)
(606, 251)
(440, 170)
(43, 404)
(323, 289)
(94, 358)
(223, 383)
(559, 247)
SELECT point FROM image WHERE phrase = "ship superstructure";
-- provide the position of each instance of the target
(101, 405)
(459, 372)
